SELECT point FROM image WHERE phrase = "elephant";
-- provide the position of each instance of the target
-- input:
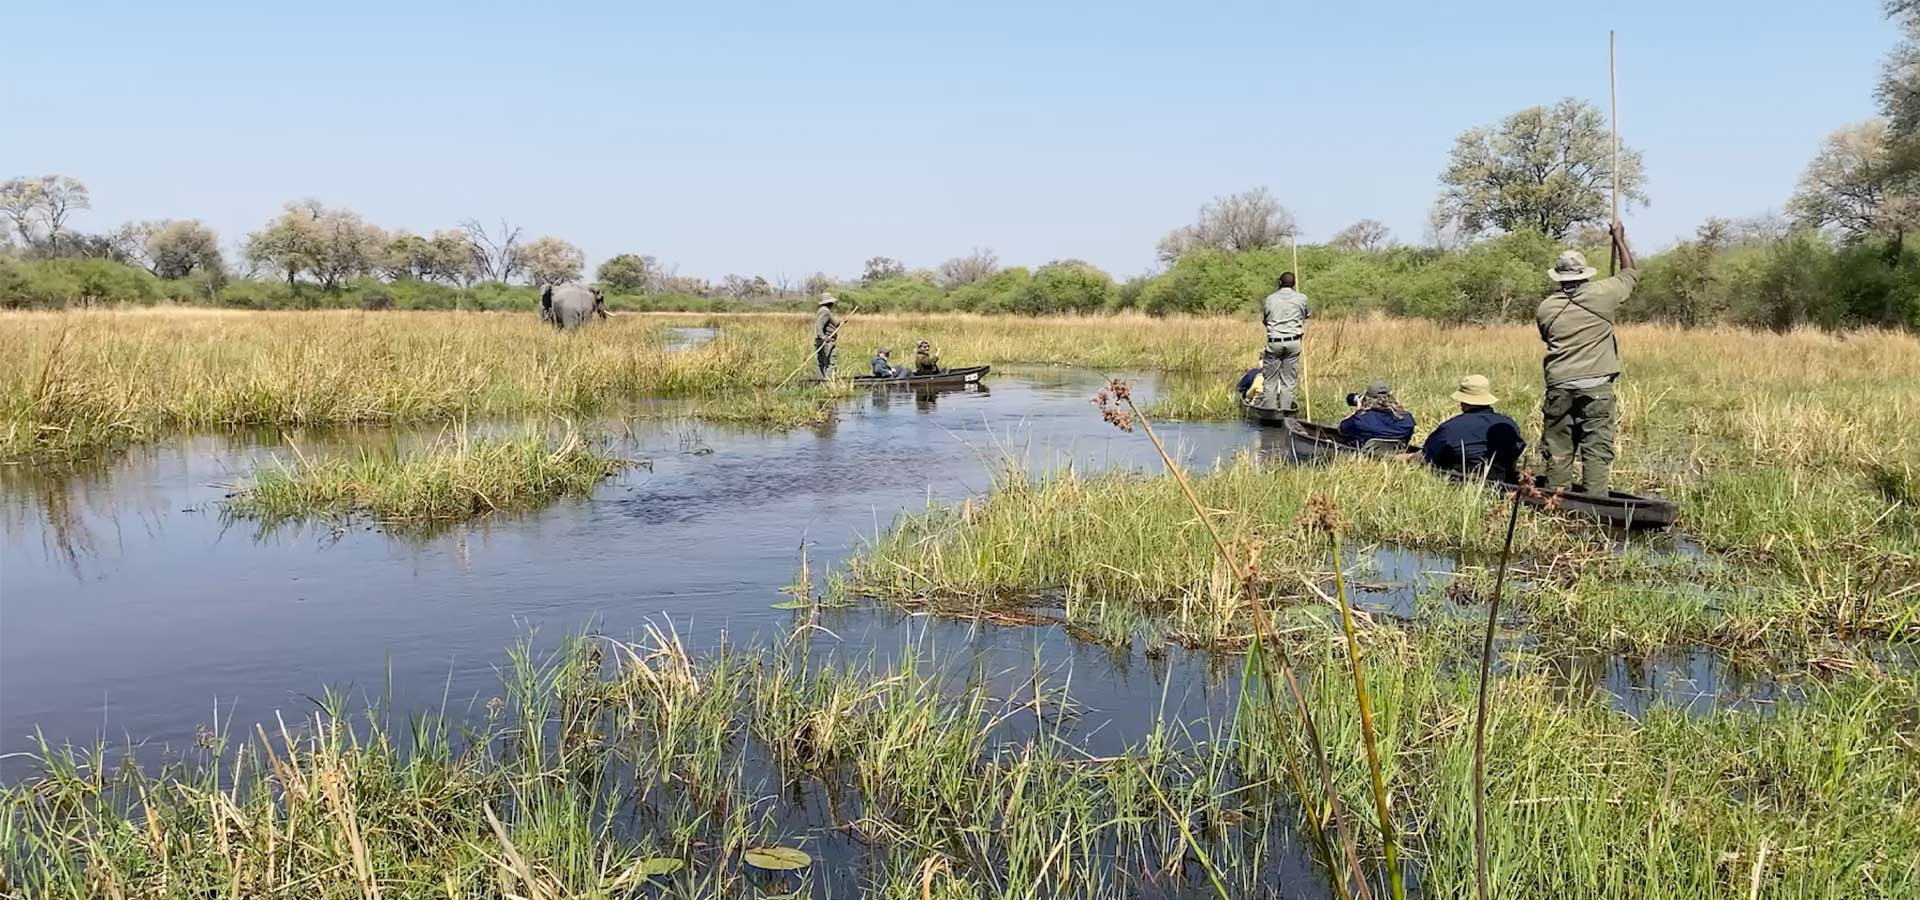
(570, 306)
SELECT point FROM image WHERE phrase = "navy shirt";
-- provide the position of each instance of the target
(1474, 440)
(1246, 381)
(882, 368)
(1377, 425)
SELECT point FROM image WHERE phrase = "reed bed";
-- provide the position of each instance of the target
(1122, 554)
(452, 479)
(615, 769)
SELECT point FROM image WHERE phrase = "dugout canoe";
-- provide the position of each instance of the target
(1313, 442)
(951, 378)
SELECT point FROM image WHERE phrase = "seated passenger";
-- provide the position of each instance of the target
(925, 361)
(1377, 416)
(883, 366)
(1478, 439)
(1249, 384)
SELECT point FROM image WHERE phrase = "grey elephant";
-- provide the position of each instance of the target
(570, 306)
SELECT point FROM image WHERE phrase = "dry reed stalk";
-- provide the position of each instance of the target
(1480, 715)
(1119, 391)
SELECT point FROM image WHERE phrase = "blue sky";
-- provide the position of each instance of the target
(783, 138)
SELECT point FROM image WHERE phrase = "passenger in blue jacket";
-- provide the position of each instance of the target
(1478, 439)
(1377, 416)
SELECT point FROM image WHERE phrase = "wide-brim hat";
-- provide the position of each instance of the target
(827, 300)
(1572, 266)
(1475, 390)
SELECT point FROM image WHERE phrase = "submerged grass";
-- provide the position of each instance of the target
(616, 769)
(455, 478)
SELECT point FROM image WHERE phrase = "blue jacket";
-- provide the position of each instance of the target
(1377, 425)
(1474, 440)
(882, 368)
(1246, 381)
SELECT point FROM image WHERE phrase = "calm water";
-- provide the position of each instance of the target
(130, 608)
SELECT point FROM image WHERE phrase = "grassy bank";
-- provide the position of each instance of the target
(78, 383)
(455, 478)
(1122, 554)
(623, 769)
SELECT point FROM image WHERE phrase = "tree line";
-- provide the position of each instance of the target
(1513, 193)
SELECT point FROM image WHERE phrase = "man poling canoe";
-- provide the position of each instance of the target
(1582, 363)
(826, 332)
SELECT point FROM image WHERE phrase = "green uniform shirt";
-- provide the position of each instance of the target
(1577, 328)
(926, 361)
(825, 324)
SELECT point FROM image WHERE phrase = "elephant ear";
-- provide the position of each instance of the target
(546, 297)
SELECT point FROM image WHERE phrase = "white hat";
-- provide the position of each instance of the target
(827, 300)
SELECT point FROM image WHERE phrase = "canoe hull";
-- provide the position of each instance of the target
(950, 379)
(1313, 442)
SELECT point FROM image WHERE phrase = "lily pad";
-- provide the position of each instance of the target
(652, 867)
(778, 859)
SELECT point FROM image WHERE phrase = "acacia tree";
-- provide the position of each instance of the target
(882, 268)
(1545, 168)
(173, 249)
(1365, 235)
(496, 257)
(550, 260)
(1849, 186)
(1248, 220)
(631, 273)
(331, 245)
(964, 270)
(42, 203)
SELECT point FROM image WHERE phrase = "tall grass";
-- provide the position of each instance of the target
(614, 769)
(453, 479)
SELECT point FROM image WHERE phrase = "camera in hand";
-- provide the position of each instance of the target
(1353, 399)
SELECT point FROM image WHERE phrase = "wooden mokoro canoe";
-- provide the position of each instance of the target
(1270, 418)
(1311, 442)
(1615, 508)
(951, 378)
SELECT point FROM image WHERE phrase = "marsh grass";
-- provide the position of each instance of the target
(451, 479)
(617, 769)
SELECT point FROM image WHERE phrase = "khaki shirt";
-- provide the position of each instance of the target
(826, 325)
(1577, 328)
(1285, 314)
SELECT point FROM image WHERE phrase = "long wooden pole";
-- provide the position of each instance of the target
(1306, 396)
(1613, 89)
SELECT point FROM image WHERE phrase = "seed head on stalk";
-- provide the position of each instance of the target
(1323, 514)
(1114, 402)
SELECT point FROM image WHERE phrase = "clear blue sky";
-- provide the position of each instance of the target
(784, 138)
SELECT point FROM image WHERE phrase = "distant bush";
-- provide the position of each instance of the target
(1763, 281)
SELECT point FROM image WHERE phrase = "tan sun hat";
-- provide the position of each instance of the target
(1475, 390)
(1572, 266)
(827, 300)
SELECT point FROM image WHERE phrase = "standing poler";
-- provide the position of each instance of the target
(1285, 315)
(826, 331)
(1581, 365)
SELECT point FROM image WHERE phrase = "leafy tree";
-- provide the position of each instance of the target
(38, 206)
(1249, 220)
(964, 270)
(550, 260)
(818, 283)
(1366, 235)
(631, 273)
(741, 287)
(331, 245)
(177, 249)
(1546, 169)
(1849, 186)
(882, 268)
